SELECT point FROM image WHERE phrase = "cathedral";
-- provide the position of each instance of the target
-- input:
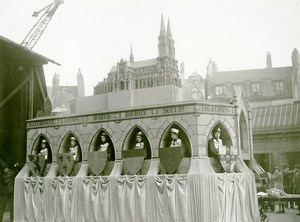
(160, 71)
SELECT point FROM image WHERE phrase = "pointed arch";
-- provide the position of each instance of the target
(166, 140)
(65, 143)
(225, 134)
(130, 139)
(97, 139)
(36, 146)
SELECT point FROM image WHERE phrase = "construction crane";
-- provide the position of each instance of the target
(37, 30)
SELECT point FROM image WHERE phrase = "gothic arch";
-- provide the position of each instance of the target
(225, 134)
(36, 146)
(96, 141)
(244, 134)
(63, 147)
(130, 138)
(165, 140)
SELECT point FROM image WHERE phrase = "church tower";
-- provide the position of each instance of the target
(80, 84)
(269, 60)
(296, 74)
(166, 63)
(171, 47)
(55, 90)
(131, 58)
(163, 41)
(211, 69)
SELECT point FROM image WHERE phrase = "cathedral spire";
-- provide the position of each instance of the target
(162, 25)
(131, 58)
(169, 33)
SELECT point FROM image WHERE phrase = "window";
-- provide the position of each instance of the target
(219, 92)
(255, 89)
(279, 87)
(236, 87)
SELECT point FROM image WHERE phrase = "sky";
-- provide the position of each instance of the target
(94, 34)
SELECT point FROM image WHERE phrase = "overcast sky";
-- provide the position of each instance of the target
(94, 34)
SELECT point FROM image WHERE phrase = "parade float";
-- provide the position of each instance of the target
(144, 178)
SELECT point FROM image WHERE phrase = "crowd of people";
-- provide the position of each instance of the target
(285, 180)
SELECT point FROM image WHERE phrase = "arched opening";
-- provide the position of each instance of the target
(166, 139)
(65, 147)
(136, 152)
(39, 149)
(219, 137)
(96, 141)
(96, 146)
(171, 161)
(244, 136)
(225, 136)
(130, 140)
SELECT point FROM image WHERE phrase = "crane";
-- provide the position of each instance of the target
(37, 30)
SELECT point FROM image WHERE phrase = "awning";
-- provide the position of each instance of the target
(257, 168)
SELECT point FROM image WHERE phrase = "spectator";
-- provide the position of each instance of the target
(277, 179)
(288, 182)
(296, 183)
(7, 191)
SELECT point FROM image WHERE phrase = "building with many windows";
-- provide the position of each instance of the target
(274, 94)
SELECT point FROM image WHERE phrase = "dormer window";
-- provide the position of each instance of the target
(279, 87)
(256, 89)
(219, 91)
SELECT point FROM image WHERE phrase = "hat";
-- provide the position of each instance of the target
(139, 133)
(217, 130)
(173, 130)
(297, 165)
(73, 138)
(103, 134)
(44, 141)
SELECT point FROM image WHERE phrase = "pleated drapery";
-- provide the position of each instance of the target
(201, 195)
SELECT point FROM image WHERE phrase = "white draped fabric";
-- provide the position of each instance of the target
(201, 195)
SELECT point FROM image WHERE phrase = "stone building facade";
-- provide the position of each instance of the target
(274, 94)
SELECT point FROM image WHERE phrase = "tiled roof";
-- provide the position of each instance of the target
(138, 64)
(251, 75)
(276, 117)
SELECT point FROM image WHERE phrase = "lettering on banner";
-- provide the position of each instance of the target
(175, 109)
(216, 109)
(135, 113)
(101, 117)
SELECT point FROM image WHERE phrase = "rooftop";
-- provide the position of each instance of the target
(251, 75)
(14, 52)
(138, 64)
(286, 116)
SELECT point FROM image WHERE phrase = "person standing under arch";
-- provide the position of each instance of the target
(44, 149)
(139, 143)
(74, 149)
(104, 145)
(214, 146)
